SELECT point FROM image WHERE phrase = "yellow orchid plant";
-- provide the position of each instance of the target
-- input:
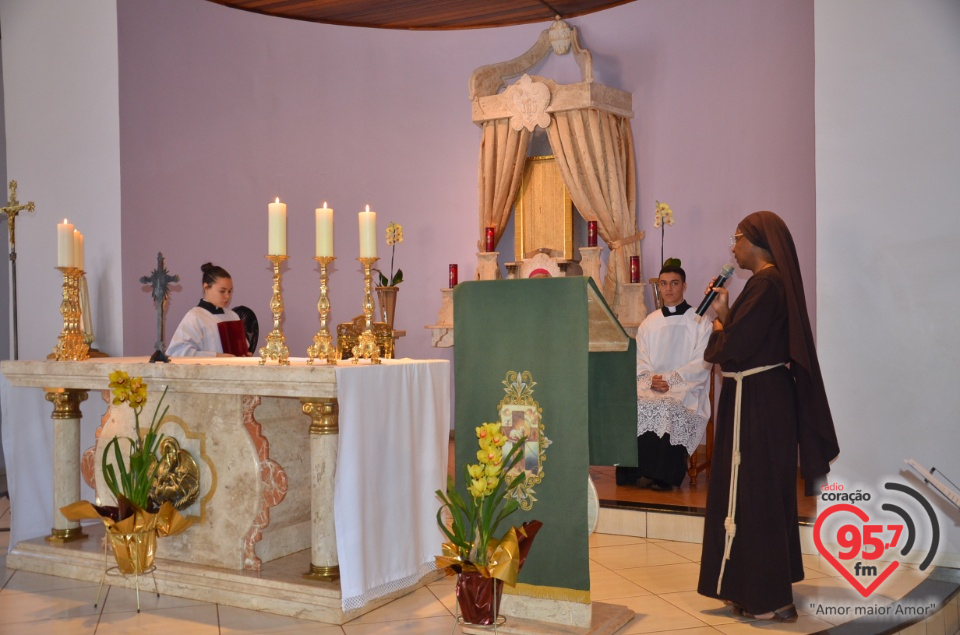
(132, 478)
(662, 217)
(394, 237)
(475, 519)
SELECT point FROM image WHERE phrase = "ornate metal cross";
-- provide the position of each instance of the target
(159, 281)
(12, 208)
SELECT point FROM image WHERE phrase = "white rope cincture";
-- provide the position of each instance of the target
(729, 524)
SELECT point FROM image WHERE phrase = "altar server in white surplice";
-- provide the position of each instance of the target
(198, 334)
(672, 385)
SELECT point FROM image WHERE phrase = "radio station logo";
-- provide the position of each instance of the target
(866, 549)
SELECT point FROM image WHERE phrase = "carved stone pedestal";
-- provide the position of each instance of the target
(487, 266)
(632, 308)
(442, 331)
(605, 619)
(590, 263)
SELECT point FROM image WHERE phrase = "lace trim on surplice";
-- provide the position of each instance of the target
(666, 415)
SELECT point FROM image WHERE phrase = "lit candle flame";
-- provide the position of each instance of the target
(324, 203)
(368, 208)
(278, 200)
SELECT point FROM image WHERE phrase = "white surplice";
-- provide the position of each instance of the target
(673, 347)
(198, 334)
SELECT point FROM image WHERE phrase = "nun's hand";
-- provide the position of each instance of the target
(720, 303)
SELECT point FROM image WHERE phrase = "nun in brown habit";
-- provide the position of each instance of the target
(772, 406)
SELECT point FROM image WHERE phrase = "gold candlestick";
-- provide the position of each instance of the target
(71, 344)
(276, 347)
(323, 347)
(366, 347)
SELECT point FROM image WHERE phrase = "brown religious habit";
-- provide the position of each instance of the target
(783, 410)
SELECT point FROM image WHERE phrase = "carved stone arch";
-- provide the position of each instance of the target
(590, 135)
(488, 80)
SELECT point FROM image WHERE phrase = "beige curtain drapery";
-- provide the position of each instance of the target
(594, 151)
(502, 154)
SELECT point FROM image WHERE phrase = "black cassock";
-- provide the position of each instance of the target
(765, 558)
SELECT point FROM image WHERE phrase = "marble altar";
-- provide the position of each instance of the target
(285, 488)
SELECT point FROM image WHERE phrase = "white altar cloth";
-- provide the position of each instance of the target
(394, 424)
(393, 458)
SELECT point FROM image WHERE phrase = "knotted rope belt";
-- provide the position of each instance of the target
(728, 524)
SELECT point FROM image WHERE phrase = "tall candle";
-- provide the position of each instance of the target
(324, 231)
(277, 228)
(78, 250)
(64, 244)
(368, 234)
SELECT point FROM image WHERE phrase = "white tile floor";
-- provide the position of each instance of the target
(655, 578)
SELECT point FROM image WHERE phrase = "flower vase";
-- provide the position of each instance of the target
(134, 552)
(387, 297)
(478, 598)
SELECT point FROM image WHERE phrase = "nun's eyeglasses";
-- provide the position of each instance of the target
(735, 238)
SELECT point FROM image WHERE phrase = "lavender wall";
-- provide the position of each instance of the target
(222, 110)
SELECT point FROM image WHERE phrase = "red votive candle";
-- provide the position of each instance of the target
(489, 243)
(591, 233)
(453, 276)
(634, 269)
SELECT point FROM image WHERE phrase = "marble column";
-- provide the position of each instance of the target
(66, 460)
(324, 439)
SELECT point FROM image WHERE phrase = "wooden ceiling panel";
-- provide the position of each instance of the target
(423, 14)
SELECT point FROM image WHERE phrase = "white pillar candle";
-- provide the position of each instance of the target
(324, 231)
(65, 244)
(78, 250)
(368, 234)
(277, 228)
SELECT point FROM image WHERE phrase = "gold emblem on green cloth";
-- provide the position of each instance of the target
(521, 416)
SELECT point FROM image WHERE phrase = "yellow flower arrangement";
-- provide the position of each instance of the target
(476, 518)
(132, 478)
(134, 524)
(394, 237)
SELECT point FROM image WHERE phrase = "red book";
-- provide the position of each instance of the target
(233, 337)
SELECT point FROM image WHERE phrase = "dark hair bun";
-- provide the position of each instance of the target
(212, 273)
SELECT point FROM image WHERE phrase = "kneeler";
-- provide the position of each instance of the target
(547, 358)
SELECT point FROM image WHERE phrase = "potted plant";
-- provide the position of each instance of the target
(473, 551)
(135, 522)
(388, 287)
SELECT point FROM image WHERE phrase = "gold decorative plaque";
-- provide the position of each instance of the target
(178, 477)
(544, 211)
(521, 416)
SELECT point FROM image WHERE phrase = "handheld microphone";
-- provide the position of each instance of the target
(719, 281)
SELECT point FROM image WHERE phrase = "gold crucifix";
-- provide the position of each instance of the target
(12, 208)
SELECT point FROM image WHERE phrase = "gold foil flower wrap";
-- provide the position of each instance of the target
(134, 538)
(506, 556)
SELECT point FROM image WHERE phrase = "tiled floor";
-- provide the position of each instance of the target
(655, 578)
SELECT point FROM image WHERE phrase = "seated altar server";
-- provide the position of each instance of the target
(198, 334)
(672, 386)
